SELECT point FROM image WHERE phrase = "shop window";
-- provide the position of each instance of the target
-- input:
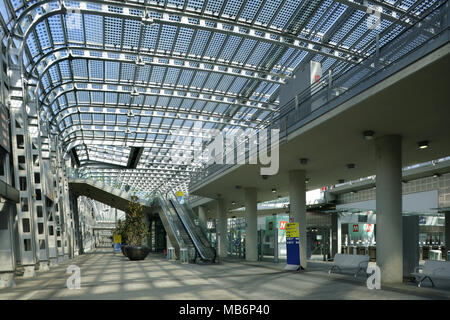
(27, 244)
(24, 204)
(51, 231)
(37, 177)
(41, 244)
(58, 233)
(21, 160)
(2, 162)
(38, 194)
(36, 160)
(39, 211)
(40, 228)
(3, 221)
(23, 183)
(59, 243)
(20, 142)
(19, 121)
(26, 225)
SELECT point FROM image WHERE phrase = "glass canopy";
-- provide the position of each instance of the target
(112, 76)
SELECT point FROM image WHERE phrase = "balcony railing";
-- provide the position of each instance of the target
(411, 44)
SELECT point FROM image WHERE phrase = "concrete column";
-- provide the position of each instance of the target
(251, 239)
(297, 196)
(389, 208)
(221, 227)
(447, 232)
(410, 244)
(335, 235)
(202, 214)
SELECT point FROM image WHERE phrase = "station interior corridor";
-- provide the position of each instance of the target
(109, 276)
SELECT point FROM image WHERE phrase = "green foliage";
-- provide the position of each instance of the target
(135, 228)
(120, 229)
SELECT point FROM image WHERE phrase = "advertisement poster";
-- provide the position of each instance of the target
(292, 246)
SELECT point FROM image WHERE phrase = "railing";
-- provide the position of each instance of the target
(197, 235)
(81, 173)
(336, 89)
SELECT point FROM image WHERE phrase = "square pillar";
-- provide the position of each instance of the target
(251, 239)
(297, 196)
(389, 208)
(221, 228)
(411, 253)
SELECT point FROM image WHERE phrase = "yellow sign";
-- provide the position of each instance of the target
(117, 238)
(292, 230)
(179, 193)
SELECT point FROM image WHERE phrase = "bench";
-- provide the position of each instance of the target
(432, 270)
(350, 262)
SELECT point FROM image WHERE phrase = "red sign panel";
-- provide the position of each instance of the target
(283, 225)
(355, 228)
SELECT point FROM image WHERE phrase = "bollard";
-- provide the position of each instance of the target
(171, 254)
(184, 258)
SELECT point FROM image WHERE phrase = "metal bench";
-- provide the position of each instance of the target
(432, 270)
(350, 262)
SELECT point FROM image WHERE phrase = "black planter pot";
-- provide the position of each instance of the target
(137, 252)
(123, 249)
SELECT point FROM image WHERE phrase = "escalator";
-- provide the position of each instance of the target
(175, 230)
(182, 226)
(197, 231)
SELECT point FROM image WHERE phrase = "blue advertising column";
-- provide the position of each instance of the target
(292, 247)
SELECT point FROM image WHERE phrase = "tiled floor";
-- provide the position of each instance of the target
(105, 275)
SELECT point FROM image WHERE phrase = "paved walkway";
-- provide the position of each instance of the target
(105, 275)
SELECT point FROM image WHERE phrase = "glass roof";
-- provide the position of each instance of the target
(112, 75)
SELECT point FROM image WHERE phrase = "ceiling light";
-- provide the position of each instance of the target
(303, 161)
(350, 166)
(436, 175)
(341, 180)
(423, 144)
(233, 203)
(274, 190)
(368, 134)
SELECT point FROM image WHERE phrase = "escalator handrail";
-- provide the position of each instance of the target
(166, 211)
(188, 229)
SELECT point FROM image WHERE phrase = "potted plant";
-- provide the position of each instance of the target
(136, 231)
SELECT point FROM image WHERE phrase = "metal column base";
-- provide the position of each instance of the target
(30, 272)
(43, 266)
(53, 262)
(7, 280)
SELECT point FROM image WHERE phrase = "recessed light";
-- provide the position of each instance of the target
(341, 180)
(233, 203)
(274, 190)
(306, 180)
(303, 161)
(436, 175)
(350, 166)
(368, 134)
(423, 144)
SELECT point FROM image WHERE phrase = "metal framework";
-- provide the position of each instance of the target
(110, 75)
